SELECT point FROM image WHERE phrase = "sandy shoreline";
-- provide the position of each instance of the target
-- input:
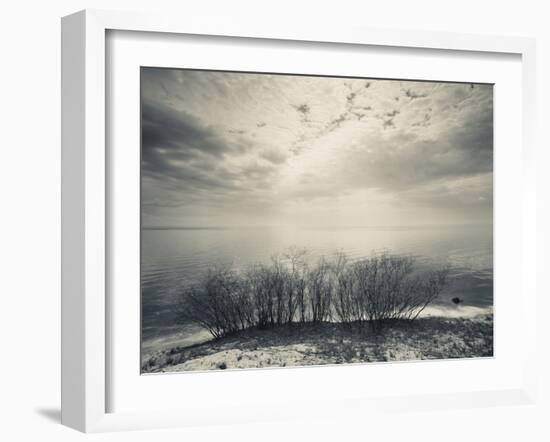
(330, 343)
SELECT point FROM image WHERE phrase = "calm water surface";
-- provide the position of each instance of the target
(175, 258)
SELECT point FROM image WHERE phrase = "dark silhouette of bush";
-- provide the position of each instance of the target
(385, 288)
(345, 302)
(220, 303)
(372, 291)
(320, 285)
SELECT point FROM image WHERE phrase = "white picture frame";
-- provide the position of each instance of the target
(86, 203)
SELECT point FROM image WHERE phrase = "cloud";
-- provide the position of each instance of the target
(225, 146)
(304, 111)
(416, 168)
(170, 137)
(275, 156)
(414, 95)
(407, 160)
(187, 160)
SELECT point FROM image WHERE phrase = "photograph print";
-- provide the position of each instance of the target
(294, 220)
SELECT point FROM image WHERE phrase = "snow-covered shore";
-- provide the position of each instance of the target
(332, 343)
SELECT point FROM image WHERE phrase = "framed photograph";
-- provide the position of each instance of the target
(292, 222)
(352, 222)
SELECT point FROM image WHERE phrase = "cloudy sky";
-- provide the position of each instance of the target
(238, 149)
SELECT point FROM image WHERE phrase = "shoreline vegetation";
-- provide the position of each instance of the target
(293, 312)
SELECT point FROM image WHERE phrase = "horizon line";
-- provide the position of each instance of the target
(231, 227)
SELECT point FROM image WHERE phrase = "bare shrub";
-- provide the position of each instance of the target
(218, 303)
(278, 290)
(281, 290)
(320, 285)
(267, 294)
(344, 302)
(297, 284)
(371, 291)
(386, 289)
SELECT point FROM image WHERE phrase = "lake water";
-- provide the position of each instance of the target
(175, 258)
